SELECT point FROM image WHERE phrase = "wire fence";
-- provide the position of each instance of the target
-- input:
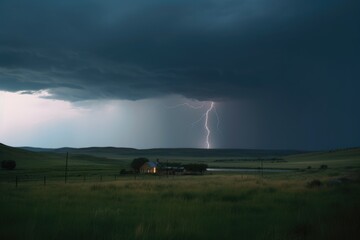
(45, 179)
(78, 178)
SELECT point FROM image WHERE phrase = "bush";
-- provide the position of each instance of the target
(196, 167)
(8, 164)
(323, 166)
(314, 183)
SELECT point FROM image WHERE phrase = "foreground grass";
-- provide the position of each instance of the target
(194, 207)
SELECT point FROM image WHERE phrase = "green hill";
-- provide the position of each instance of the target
(119, 153)
(11, 153)
(27, 159)
(343, 158)
(91, 157)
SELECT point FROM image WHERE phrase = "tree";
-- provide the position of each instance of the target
(137, 163)
(8, 164)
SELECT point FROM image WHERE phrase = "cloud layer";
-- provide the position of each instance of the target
(205, 49)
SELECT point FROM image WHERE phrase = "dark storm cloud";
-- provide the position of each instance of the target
(206, 49)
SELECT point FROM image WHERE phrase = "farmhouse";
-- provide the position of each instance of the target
(148, 167)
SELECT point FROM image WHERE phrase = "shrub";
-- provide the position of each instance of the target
(8, 164)
(323, 166)
(195, 167)
(314, 183)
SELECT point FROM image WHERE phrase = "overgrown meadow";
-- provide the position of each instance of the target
(97, 202)
(182, 207)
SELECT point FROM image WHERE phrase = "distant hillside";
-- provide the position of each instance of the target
(112, 152)
(341, 154)
(12, 153)
(28, 157)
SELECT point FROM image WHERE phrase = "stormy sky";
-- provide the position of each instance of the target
(282, 73)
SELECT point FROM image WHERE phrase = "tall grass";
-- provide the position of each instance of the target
(202, 207)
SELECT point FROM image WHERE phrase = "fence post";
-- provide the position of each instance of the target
(84, 178)
(66, 166)
(100, 178)
(115, 177)
(167, 168)
(44, 180)
(16, 181)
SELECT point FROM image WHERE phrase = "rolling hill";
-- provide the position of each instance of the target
(111, 156)
(113, 152)
(27, 159)
(12, 153)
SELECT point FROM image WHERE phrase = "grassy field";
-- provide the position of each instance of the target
(109, 161)
(213, 206)
(191, 207)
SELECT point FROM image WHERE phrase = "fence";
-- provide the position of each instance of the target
(45, 179)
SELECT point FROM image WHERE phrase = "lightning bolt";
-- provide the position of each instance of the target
(187, 105)
(205, 116)
(208, 131)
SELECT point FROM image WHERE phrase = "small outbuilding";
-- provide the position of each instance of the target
(148, 167)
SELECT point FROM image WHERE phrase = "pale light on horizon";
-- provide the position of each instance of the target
(37, 120)
(22, 115)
